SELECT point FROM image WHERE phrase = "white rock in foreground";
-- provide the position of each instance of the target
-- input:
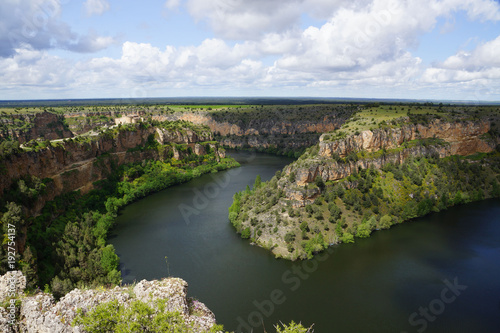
(42, 314)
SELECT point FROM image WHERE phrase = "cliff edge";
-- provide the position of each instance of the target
(41, 313)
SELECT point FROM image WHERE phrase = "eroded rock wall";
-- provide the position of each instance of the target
(464, 138)
(461, 138)
(46, 125)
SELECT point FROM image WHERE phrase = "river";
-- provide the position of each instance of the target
(439, 273)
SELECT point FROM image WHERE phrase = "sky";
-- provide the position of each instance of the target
(414, 49)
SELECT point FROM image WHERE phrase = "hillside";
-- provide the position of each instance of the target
(61, 197)
(354, 182)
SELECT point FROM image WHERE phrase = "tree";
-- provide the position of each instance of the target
(320, 183)
(245, 234)
(13, 216)
(335, 211)
(29, 268)
(347, 238)
(385, 222)
(258, 182)
(109, 259)
(290, 237)
(363, 230)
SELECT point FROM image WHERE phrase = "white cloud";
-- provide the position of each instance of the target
(241, 19)
(36, 24)
(96, 7)
(481, 63)
(34, 68)
(172, 4)
(477, 72)
(364, 44)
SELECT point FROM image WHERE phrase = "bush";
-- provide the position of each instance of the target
(363, 230)
(293, 328)
(290, 237)
(138, 317)
(385, 222)
(245, 234)
(347, 238)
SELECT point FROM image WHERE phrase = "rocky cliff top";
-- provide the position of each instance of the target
(41, 313)
(464, 137)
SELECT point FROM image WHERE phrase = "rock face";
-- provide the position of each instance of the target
(256, 126)
(181, 136)
(42, 314)
(12, 281)
(333, 170)
(264, 133)
(46, 125)
(73, 165)
(463, 137)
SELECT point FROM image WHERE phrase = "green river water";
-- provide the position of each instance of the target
(439, 273)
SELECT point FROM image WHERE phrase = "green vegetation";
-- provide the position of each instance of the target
(67, 241)
(137, 317)
(293, 328)
(354, 207)
(143, 317)
(380, 115)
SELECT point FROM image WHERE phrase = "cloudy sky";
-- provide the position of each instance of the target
(425, 49)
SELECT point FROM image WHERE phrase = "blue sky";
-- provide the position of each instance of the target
(424, 49)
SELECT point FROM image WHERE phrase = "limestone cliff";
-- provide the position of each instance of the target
(74, 164)
(26, 127)
(182, 136)
(41, 313)
(288, 127)
(298, 213)
(464, 138)
(459, 138)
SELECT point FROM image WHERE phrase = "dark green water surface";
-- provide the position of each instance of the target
(439, 273)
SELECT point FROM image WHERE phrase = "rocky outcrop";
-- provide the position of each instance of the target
(331, 170)
(464, 138)
(12, 282)
(185, 135)
(256, 126)
(331, 164)
(23, 128)
(41, 313)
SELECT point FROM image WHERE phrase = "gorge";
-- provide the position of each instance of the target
(333, 187)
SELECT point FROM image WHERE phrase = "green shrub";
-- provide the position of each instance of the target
(245, 234)
(138, 317)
